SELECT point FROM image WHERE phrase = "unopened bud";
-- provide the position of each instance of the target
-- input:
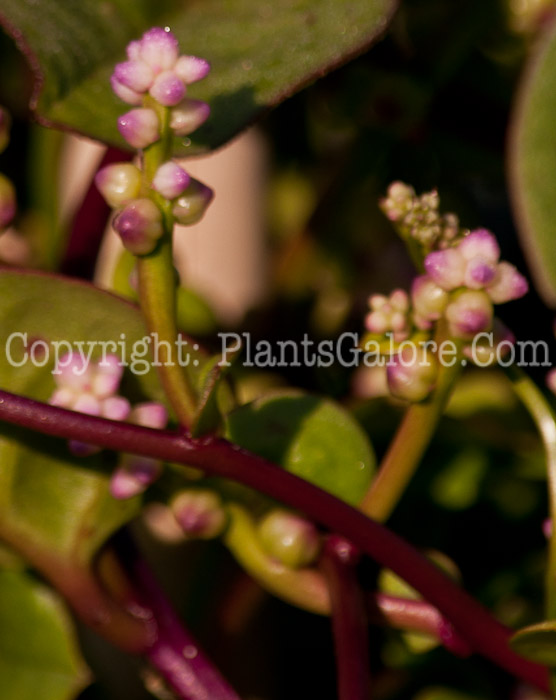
(133, 475)
(429, 300)
(446, 268)
(192, 204)
(140, 226)
(7, 202)
(157, 47)
(289, 538)
(200, 514)
(139, 127)
(119, 183)
(167, 89)
(469, 313)
(190, 69)
(411, 373)
(188, 115)
(508, 284)
(170, 180)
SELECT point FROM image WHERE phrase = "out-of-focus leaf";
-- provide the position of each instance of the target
(533, 166)
(38, 652)
(537, 642)
(261, 52)
(312, 437)
(457, 486)
(51, 501)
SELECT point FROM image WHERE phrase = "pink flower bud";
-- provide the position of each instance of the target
(508, 284)
(199, 513)
(7, 201)
(150, 414)
(192, 204)
(188, 115)
(135, 75)
(170, 180)
(377, 322)
(107, 377)
(133, 51)
(74, 373)
(158, 48)
(124, 93)
(479, 273)
(480, 244)
(119, 183)
(446, 268)
(190, 69)
(167, 89)
(429, 300)
(411, 373)
(115, 408)
(133, 475)
(289, 538)
(139, 225)
(469, 313)
(87, 403)
(139, 127)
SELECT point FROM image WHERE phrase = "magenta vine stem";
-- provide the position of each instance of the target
(349, 619)
(175, 653)
(218, 457)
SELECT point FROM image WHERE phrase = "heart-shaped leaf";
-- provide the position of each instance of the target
(312, 437)
(260, 53)
(51, 501)
(38, 652)
(533, 166)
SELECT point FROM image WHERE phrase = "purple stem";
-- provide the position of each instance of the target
(175, 653)
(349, 619)
(218, 457)
(88, 226)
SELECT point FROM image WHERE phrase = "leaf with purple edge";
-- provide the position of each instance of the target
(532, 165)
(261, 53)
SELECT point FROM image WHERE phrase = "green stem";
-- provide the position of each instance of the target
(410, 442)
(303, 587)
(157, 289)
(545, 419)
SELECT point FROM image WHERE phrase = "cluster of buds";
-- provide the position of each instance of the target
(389, 315)
(156, 77)
(462, 282)
(417, 217)
(92, 388)
(7, 191)
(473, 279)
(155, 69)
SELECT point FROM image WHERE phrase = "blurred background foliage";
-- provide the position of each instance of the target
(430, 104)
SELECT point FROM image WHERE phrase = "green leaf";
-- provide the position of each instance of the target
(51, 501)
(533, 166)
(312, 437)
(537, 642)
(38, 652)
(260, 53)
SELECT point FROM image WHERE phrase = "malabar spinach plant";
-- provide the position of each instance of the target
(399, 329)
